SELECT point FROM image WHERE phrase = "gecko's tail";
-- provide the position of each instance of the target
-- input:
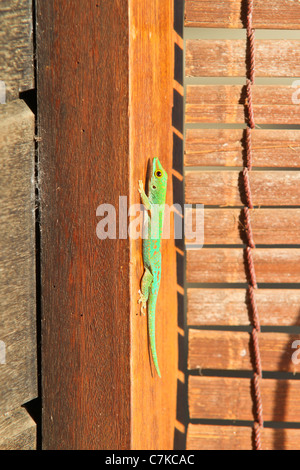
(151, 327)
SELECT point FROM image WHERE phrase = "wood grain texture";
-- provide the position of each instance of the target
(227, 104)
(268, 188)
(16, 45)
(226, 147)
(17, 431)
(276, 307)
(83, 123)
(18, 375)
(228, 226)
(232, 350)
(228, 58)
(276, 265)
(276, 14)
(153, 400)
(209, 398)
(211, 437)
(97, 136)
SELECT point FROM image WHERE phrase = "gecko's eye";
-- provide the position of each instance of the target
(158, 174)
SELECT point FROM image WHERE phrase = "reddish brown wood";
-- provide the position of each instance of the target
(219, 58)
(226, 147)
(209, 398)
(233, 350)
(227, 226)
(229, 265)
(95, 64)
(268, 188)
(277, 307)
(274, 14)
(84, 137)
(227, 104)
(211, 437)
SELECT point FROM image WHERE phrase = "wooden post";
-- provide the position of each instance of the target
(105, 102)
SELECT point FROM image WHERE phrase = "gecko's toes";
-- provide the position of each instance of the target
(143, 309)
(142, 300)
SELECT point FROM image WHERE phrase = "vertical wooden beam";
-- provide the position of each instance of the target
(98, 130)
(83, 103)
(151, 100)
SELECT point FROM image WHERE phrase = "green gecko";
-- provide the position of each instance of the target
(154, 204)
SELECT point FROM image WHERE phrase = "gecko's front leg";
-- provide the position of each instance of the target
(144, 196)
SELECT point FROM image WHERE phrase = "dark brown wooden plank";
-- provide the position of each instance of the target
(233, 350)
(227, 104)
(17, 431)
(275, 14)
(86, 395)
(18, 374)
(268, 188)
(227, 226)
(97, 377)
(226, 147)
(214, 437)
(232, 398)
(229, 265)
(219, 58)
(16, 45)
(276, 307)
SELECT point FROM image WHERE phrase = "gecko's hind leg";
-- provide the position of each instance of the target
(144, 292)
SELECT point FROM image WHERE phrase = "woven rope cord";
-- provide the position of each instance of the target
(257, 375)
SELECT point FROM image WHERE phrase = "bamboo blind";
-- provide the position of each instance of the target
(223, 404)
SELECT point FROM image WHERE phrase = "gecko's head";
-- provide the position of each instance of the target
(158, 182)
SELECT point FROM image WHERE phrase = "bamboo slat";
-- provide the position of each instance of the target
(226, 147)
(277, 307)
(228, 58)
(268, 188)
(275, 265)
(214, 437)
(274, 14)
(209, 398)
(227, 226)
(232, 350)
(227, 104)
